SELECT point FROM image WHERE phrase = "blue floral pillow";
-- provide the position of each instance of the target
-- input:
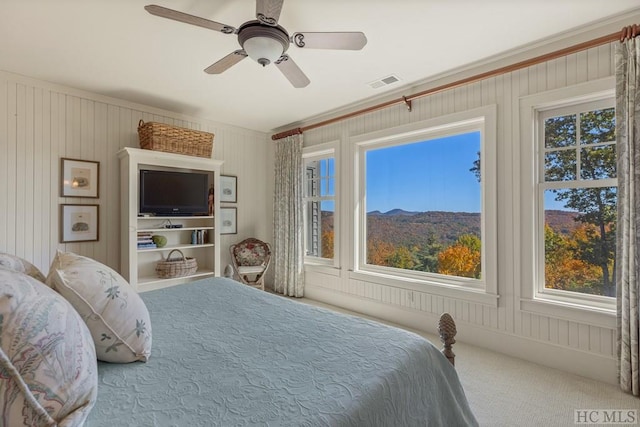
(115, 314)
(48, 367)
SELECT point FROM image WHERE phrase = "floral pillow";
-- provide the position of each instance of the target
(15, 263)
(115, 314)
(48, 367)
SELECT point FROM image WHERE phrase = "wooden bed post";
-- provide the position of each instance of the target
(447, 332)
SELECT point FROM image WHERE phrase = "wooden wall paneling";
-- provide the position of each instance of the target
(20, 176)
(573, 335)
(584, 336)
(101, 153)
(4, 161)
(111, 194)
(544, 328)
(40, 199)
(608, 342)
(594, 340)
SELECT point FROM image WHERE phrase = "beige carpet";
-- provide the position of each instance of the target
(506, 391)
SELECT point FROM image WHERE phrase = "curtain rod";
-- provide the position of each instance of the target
(625, 33)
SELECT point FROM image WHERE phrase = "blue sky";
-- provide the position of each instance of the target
(428, 176)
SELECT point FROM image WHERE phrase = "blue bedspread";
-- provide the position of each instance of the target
(225, 354)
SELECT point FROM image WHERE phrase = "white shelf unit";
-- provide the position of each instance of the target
(137, 265)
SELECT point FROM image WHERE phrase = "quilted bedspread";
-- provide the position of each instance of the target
(225, 354)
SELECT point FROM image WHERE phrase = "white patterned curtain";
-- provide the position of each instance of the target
(627, 57)
(287, 217)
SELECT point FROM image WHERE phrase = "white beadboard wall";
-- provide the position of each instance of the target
(564, 343)
(41, 122)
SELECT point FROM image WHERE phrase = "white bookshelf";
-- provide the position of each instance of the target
(137, 265)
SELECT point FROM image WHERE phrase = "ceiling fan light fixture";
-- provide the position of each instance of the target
(263, 44)
(263, 50)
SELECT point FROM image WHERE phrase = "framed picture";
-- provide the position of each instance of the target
(78, 223)
(79, 178)
(228, 188)
(228, 221)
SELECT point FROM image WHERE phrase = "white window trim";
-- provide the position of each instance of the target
(485, 290)
(592, 309)
(318, 152)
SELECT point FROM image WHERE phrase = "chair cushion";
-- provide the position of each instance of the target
(115, 314)
(251, 269)
(48, 367)
(15, 263)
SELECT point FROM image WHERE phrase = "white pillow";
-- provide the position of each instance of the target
(15, 263)
(48, 367)
(115, 314)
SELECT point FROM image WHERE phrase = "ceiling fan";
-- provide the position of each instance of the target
(266, 42)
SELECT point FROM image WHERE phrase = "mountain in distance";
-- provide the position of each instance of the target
(407, 228)
(562, 222)
(393, 212)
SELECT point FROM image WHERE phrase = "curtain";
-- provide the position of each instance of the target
(288, 218)
(627, 60)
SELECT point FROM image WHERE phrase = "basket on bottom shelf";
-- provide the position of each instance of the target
(176, 267)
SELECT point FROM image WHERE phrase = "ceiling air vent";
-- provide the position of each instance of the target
(384, 81)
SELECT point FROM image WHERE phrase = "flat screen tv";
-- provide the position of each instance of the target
(164, 193)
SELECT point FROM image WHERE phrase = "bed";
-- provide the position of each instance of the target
(225, 354)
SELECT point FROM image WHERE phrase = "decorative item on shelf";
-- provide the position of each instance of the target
(159, 240)
(210, 199)
(174, 139)
(199, 237)
(176, 267)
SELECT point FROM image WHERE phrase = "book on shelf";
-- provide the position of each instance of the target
(147, 245)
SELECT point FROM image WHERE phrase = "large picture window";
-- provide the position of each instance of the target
(426, 197)
(423, 206)
(577, 198)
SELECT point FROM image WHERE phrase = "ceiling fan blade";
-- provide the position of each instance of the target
(347, 41)
(292, 72)
(268, 11)
(189, 19)
(227, 62)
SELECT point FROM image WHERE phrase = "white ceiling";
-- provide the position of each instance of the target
(116, 48)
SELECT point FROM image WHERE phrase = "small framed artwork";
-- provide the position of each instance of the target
(78, 223)
(228, 221)
(228, 188)
(79, 178)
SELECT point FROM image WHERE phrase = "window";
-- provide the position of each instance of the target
(577, 199)
(319, 205)
(426, 197)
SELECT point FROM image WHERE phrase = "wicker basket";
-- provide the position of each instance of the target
(174, 139)
(176, 267)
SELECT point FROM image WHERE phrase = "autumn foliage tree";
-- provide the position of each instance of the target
(461, 259)
(327, 244)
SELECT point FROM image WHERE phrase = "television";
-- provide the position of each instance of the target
(164, 193)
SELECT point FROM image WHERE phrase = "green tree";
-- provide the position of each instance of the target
(596, 206)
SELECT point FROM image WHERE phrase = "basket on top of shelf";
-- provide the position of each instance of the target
(176, 267)
(174, 139)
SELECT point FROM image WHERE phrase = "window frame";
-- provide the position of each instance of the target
(321, 152)
(481, 119)
(534, 297)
